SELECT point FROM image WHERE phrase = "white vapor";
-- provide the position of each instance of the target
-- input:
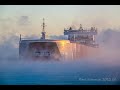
(105, 65)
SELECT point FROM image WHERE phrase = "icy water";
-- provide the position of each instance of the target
(80, 72)
(103, 69)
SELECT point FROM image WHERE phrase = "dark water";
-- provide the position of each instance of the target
(81, 72)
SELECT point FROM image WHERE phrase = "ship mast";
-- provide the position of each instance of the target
(43, 30)
(20, 37)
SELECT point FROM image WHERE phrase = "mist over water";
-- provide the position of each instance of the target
(102, 69)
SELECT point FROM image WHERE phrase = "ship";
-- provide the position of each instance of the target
(80, 43)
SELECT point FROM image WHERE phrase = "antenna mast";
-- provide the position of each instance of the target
(20, 37)
(43, 30)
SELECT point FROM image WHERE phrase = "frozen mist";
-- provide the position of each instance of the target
(100, 70)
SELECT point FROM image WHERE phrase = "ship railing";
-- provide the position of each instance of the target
(92, 32)
(80, 31)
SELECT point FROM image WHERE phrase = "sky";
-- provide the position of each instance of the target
(27, 19)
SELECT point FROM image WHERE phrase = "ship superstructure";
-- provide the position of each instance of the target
(81, 43)
(82, 36)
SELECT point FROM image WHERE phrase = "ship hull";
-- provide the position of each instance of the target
(55, 50)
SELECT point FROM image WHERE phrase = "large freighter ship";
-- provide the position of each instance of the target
(79, 44)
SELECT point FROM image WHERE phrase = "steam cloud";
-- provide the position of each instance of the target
(60, 37)
(105, 65)
(24, 20)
